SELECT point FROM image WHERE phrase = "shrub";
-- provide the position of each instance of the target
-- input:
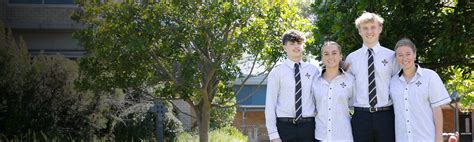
(225, 134)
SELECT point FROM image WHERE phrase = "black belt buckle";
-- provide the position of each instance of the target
(373, 109)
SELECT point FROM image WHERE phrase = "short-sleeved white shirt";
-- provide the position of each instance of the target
(413, 103)
(385, 67)
(280, 95)
(333, 100)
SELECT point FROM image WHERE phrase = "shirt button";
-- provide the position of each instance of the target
(408, 120)
(406, 99)
(329, 108)
(329, 97)
(330, 88)
(329, 130)
(329, 119)
(406, 88)
(409, 131)
(406, 109)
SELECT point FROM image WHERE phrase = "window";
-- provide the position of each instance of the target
(41, 1)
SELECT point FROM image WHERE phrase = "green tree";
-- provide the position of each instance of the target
(180, 50)
(38, 94)
(442, 30)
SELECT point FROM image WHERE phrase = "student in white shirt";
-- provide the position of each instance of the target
(373, 118)
(289, 106)
(333, 90)
(417, 94)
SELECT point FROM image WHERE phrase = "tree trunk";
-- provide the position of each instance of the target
(204, 120)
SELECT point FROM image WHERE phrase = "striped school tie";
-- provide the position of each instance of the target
(298, 92)
(371, 73)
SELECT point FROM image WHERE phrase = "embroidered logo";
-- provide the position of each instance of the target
(418, 84)
(384, 62)
(343, 84)
(307, 75)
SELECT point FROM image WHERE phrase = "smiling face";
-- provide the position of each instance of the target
(331, 56)
(405, 57)
(294, 49)
(370, 32)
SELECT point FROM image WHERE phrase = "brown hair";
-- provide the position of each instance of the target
(405, 42)
(293, 36)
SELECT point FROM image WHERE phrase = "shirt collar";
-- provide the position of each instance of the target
(324, 70)
(419, 70)
(377, 47)
(291, 63)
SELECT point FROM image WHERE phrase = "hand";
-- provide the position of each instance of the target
(276, 140)
(452, 138)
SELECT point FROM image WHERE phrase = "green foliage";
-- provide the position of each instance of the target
(180, 50)
(38, 94)
(39, 100)
(464, 87)
(140, 125)
(223, 116)
(225, 134)
(442, 30)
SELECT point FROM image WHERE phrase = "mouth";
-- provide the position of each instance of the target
(369, 36)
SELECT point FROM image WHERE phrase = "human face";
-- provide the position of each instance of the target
(331, 56)
(405, 57)
(294, 50)
(370, 32)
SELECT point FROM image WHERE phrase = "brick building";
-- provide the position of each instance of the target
(250, 116)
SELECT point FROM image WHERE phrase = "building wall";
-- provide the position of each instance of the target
(185, 119)
(46, 28)
(254, 121)
(38, 16)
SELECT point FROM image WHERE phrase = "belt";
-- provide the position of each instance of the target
(292, 120)
(374, 109)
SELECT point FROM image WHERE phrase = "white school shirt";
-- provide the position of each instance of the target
(333, 100)
(385, 67)
(280, 95)
(413, 103)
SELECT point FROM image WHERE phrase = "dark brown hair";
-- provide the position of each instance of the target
(293, 36)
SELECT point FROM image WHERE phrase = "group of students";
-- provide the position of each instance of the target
(392, 97)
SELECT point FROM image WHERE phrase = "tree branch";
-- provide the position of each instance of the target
(177, 108)
(160, 68)
(248, 76)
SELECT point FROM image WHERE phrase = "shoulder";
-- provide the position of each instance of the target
(387, 51)
(354, 54)
(277, 69)
(430, 73)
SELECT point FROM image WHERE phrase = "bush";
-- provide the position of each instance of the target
(225, 134)
(140, 124)
(39, 96)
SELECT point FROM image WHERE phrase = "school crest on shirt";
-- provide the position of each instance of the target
(384, 62)
(418, 83)
(307, 75)
(343, 84)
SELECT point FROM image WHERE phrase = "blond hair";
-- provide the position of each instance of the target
(367, 17)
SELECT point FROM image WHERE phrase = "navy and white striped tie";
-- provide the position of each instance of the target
(371, 73)
(298, 100)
